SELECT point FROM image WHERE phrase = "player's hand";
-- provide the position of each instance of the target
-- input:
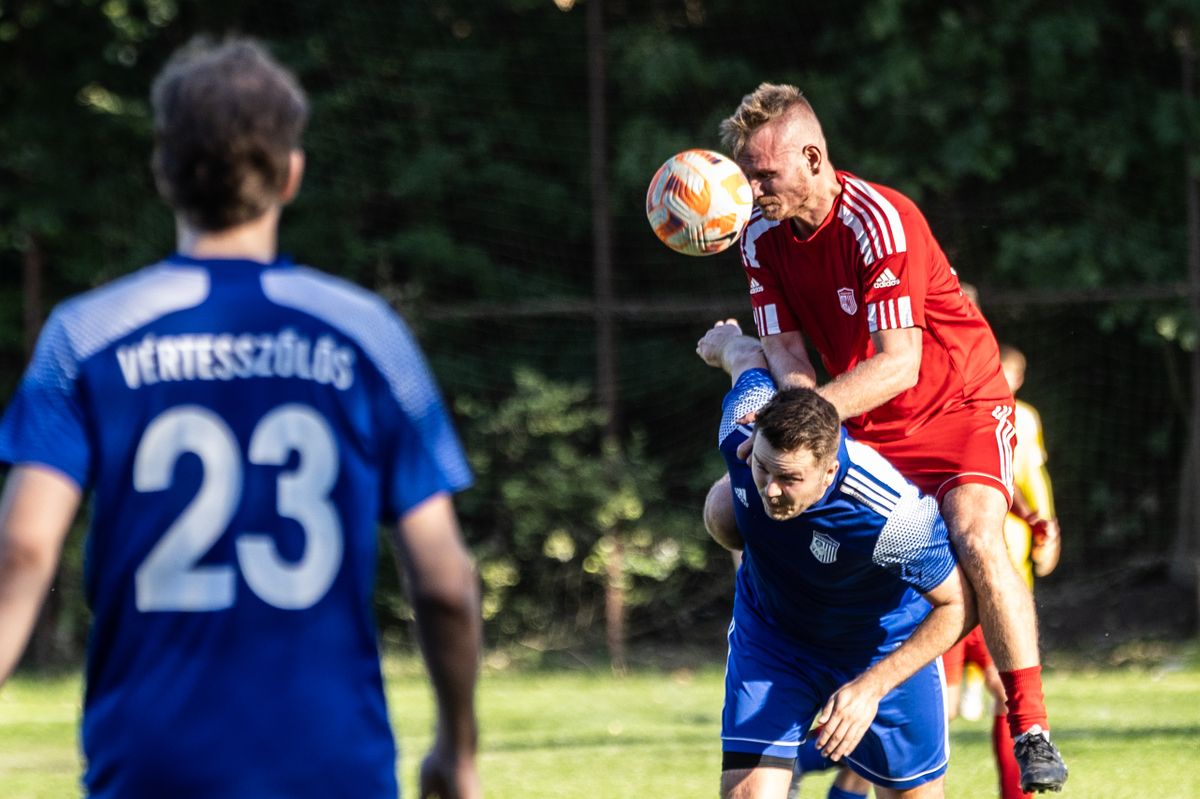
(846, 718)
(746, 447)
(711, 346)
(445, 775)
(1046, 545)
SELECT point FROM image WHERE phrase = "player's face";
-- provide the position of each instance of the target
(778, 171)
(789, 482)
(1014, 374)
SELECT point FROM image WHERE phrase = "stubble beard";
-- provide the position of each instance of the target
(772, 209)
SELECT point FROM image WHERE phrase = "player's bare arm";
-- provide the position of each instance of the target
(849, 712)
(35, 515)
(788, 360)
(724, 346)
(893, 369)
(443, 589)
(719, 519)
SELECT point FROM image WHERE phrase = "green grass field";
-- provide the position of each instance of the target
(1129, 732)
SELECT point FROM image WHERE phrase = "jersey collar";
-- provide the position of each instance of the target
(179, 259)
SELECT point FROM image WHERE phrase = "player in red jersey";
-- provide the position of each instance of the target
(1034, 544)
(853, 268)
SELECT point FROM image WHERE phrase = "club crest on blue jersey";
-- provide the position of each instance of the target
(846, 300)
(823, 547)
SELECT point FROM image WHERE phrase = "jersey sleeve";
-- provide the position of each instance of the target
(753, 389)
(895, 268)
(423, 455)
(771, 312)
(914, 544)
(45, 423)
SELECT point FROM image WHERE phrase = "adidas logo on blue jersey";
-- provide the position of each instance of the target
(741, 495)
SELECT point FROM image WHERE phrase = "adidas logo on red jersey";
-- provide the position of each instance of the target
(886, 280)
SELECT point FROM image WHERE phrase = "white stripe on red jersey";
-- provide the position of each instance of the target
(766, 320)
(1005, 433)
(889, 314)
(873, 219)
(864, 194)
(755, 228)
(863, 238)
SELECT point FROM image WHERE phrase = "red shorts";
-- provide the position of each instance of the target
(970, 649)
(974, 445)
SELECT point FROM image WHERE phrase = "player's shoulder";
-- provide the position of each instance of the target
(1027, 419)
(1024, 407)
(90, 321)
(366, 319)
(870, 480)
(758, 230)
(313, 288)
(754, 389)
(881, 210)
(887, 197)
(357, 312)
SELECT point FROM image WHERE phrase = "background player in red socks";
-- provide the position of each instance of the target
(1031, 531)
(853, 268)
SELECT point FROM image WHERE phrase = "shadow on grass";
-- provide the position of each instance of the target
(1067, 732)
(601, 740)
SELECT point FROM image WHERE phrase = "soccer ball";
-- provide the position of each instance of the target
(698, 202)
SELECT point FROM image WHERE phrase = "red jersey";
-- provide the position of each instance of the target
(872, 265)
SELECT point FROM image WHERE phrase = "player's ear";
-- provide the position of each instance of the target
(814, 157)
(830, 474)
(295, 176)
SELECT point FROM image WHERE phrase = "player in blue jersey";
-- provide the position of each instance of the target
(847, 594)
(243, 425)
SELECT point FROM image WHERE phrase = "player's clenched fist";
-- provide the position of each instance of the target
(711, 346)
(448, 777)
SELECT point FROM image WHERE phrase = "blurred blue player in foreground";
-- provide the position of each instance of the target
(847, 594)
(244, 425)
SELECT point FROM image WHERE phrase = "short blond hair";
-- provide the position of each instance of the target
(768, 102)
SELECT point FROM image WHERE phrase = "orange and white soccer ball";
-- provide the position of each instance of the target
(698, 202)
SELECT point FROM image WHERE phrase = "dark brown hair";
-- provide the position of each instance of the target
(800, 419)
(226, 119)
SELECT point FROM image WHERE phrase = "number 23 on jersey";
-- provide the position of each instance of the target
(171, 577)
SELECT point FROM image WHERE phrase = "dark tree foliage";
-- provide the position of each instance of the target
(448, 169)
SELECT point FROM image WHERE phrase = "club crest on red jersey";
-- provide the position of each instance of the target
(824, 547)
(846, 300)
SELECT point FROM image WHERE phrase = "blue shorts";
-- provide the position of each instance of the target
(774, 691)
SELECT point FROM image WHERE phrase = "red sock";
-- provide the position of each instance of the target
(1006, 762)
(1024, 700)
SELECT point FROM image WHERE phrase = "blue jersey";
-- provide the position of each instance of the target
(844, 578)
(245, 428)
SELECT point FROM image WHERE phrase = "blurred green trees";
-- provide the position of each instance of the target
(448, 169)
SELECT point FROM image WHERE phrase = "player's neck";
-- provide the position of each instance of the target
(256, 240)
(824, 198)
